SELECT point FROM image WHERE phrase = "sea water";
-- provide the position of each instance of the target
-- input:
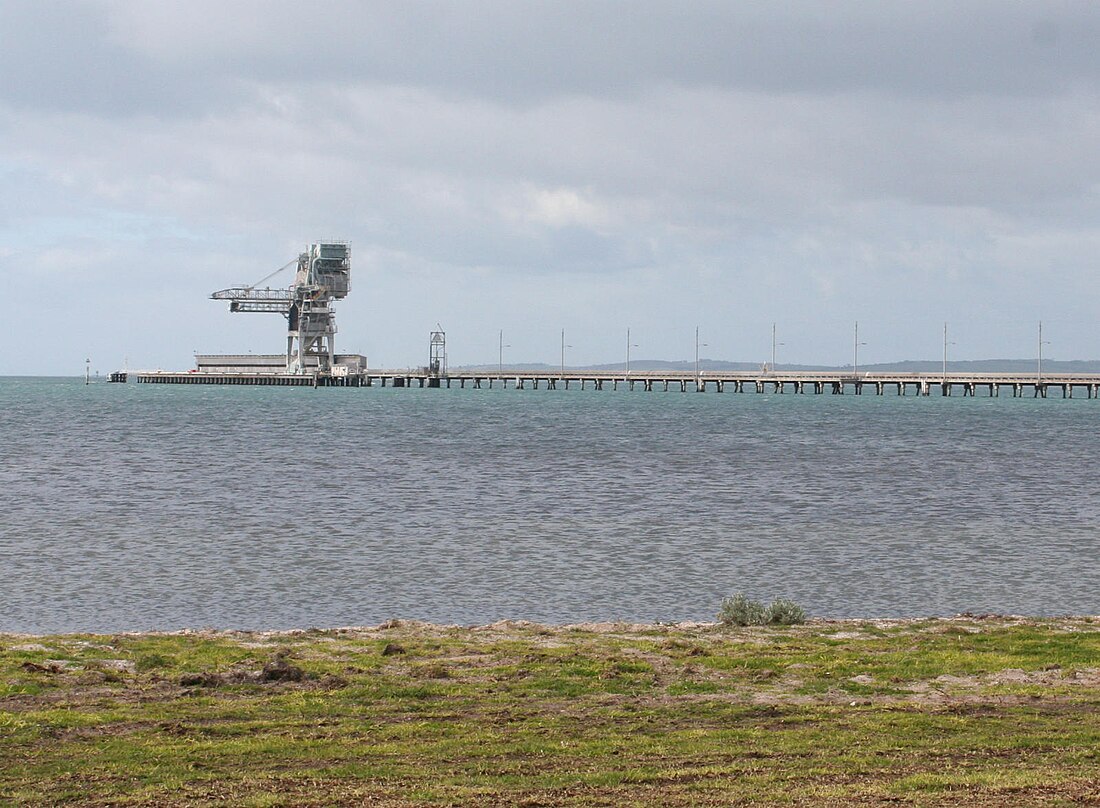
(134, 507)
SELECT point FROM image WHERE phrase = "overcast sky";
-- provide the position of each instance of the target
(536, 166)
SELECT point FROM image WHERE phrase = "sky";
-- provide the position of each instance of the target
(529, 167)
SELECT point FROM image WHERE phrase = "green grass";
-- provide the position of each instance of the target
(978, 712)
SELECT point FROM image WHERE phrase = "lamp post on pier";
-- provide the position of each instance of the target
(945, 344)
(629, 345)
(855, 355)
(697, 344)
(1039, 369)
(500, 354)
(774, 343)
(563, 347)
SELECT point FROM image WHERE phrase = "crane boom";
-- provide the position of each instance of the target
(245, 298)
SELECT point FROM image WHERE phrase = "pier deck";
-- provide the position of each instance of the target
(812, 382)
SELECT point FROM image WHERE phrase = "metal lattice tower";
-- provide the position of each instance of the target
(323, 275)
(437, 354)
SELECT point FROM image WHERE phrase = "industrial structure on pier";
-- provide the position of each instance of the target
(323, 276)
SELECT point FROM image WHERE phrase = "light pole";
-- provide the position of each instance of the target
(1039, 371)
(563, 347)
(500, 355)
(697, 344)
(855, 355)
(774, 343)
(945, 344)
(628, 347)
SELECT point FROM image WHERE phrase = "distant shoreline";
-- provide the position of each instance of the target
(596, 627)
(643, 365)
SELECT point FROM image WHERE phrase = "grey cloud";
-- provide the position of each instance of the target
(172, 59)
(60, 56)
(724, 163)
(527, 52)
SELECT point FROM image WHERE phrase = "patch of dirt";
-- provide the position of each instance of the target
(508, 625)
(116, 665)
(278, 670)
(848, 635)
(1078, 677)
(205, 679)
(86, 644)
(948, 686)
(49, 666)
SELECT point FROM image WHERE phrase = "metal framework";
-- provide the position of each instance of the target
(323, 276)
(437, 354)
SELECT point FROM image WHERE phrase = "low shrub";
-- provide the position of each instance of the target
(741, 610)
(784, 612)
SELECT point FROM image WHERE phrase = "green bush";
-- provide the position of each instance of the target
(785, 613)
(741, 611)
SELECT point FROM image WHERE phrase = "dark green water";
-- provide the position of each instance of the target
(159, 507)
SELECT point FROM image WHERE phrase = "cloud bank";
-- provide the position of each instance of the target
(538, 166)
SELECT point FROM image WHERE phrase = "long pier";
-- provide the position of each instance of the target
(813, 382)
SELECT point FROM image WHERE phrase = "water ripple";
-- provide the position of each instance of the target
(139, 506)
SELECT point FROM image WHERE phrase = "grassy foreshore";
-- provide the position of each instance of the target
(995, 711)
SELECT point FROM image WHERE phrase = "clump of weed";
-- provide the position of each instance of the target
(740, 610)
(784, 612)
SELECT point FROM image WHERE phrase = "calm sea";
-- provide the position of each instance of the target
(130, 507)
